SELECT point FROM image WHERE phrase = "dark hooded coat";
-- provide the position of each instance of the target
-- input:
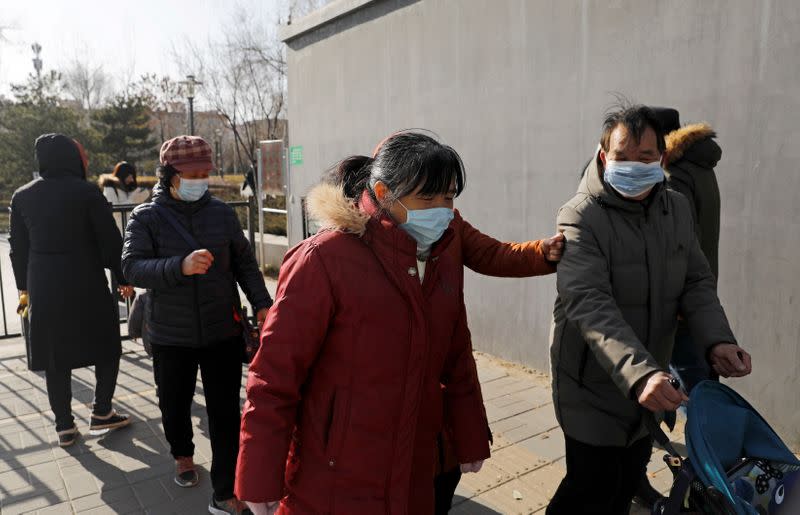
(62, 238)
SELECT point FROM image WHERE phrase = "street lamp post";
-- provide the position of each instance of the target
(218, 150)
(190, 84)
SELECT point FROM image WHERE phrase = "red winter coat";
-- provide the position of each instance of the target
(347, 381)
(488, 256)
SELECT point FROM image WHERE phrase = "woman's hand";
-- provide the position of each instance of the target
(553, 247)
(197, 263)
(263, 508)
(475, 466)
(261, 317)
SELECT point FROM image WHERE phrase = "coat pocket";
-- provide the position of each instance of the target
(337, 425)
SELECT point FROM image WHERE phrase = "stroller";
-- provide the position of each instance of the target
(736, 465)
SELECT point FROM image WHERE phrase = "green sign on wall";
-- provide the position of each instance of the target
(296, 155)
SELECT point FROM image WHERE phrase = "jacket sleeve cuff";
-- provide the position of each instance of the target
(263, 304)
(174, 270)
(471, 445)
(632, 380)
(541, 264)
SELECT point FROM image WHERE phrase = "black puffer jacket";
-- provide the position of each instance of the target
(193, 311)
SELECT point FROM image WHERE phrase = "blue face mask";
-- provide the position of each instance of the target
(192, 190)
(632, 178)
(426, 226)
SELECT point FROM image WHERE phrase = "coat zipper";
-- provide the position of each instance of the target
(196, 291)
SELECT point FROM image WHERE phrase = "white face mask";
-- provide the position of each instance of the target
(192, 190)
(632, 179)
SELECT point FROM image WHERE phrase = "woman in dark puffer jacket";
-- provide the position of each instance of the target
(191, 315)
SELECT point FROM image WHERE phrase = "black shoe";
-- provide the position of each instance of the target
(646, 495)
(68, 436)
(111, 421)
(232, 506)
(185, 472)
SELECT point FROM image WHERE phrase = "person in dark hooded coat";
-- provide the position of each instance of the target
(62, 238)
(692, 155)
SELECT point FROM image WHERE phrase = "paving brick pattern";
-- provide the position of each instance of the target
(130, 470)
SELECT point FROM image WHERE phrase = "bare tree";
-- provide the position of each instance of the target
(299, 8)
(165, 98)
(244, 75)
(87, 84)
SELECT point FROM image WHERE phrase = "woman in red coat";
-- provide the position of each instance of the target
(344, 398)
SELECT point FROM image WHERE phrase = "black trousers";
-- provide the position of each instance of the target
(444, 489)
(600, 480)
(175, 370)
(59, 392)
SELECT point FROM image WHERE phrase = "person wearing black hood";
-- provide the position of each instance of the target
(62, 237)
(191, 321)
(691, 156)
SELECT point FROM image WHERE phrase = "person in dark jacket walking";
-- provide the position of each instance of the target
(631, 264)
(62, 237)
(191, 321)
(692, 154)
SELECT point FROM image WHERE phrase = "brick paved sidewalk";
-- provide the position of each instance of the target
(130, 470)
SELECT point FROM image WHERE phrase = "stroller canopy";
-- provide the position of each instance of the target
(722, 428)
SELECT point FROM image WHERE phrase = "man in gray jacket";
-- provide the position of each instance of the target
(631, 265)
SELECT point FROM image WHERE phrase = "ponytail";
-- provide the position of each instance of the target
(352, 174)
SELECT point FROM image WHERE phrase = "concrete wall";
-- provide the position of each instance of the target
(519, 87)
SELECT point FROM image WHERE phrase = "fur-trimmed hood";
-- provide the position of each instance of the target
(328, 206)
(109, 180)
(695, 143)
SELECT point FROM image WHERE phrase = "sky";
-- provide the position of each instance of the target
(128, 38)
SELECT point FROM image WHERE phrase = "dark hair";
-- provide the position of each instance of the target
(165, 173)
(404, 162)
(634, 117)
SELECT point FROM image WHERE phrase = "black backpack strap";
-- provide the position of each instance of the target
(649, 420)
(166, 214)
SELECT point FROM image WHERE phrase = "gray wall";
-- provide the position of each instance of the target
(519, 88)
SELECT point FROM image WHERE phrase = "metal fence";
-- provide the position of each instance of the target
(12, 326)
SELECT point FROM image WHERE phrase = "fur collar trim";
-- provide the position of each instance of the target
(328, 205)
(679, 141)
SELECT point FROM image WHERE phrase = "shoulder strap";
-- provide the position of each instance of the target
(650, 422)
(166, 214)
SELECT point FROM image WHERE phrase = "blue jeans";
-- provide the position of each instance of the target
(690, 361)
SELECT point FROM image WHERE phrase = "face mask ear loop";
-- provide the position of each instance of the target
(404, 206)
